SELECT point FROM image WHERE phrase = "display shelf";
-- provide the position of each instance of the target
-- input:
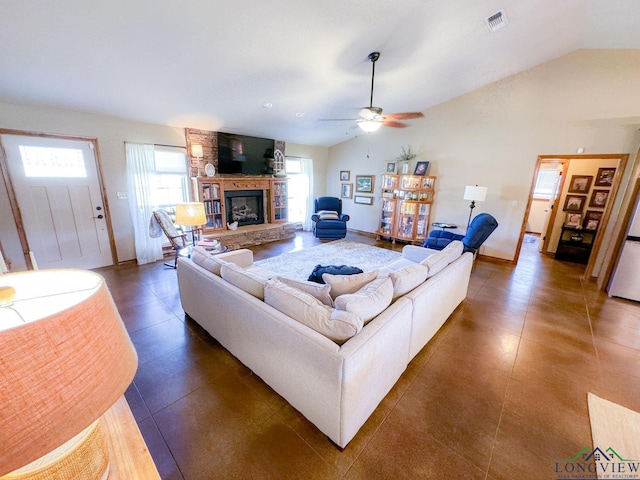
(211, 194)
(406, 207)
(280, 203)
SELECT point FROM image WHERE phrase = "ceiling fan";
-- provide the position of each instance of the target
(371, 118)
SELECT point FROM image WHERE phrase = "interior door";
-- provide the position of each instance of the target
(551, 211)
(58, 192)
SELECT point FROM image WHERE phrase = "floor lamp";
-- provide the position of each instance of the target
(475, 194)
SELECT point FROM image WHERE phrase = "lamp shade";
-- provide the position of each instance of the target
(370, 126)
(65, 359)
(190, 214)
(475, 193)
(196, 150)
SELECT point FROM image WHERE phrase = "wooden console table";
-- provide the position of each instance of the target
(129, 457)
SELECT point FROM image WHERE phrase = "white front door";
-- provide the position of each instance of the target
(58, 192)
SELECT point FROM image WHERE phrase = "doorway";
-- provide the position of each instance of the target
(58, 205)
(577, 195)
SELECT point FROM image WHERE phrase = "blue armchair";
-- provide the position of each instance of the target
(329, 221)
(479, 230)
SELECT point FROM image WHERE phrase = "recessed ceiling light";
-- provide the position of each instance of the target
(300, 114)
(267, 105)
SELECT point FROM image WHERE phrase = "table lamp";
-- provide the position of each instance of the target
(475, 194)
(66, 359)
(191, 214)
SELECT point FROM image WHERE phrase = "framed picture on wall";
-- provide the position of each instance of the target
(363, 200)
(605, 177)
(573, 220)
(347, 190)
(599, 198)
(364, 183)
(421, 168)
(390, 167)
(592, 220)
(345, 175)
(580, 183)
(574, 203)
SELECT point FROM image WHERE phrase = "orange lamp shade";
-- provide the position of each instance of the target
(191, 214)
(65, 359)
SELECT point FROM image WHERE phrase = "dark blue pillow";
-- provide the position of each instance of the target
(316, 275)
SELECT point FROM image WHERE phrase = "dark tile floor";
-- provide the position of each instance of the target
(499, 393)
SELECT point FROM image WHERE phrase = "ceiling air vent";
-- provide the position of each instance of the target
(496, 21)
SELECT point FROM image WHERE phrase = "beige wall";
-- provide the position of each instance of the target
(320, 157)
(111, 134)
(493, 136)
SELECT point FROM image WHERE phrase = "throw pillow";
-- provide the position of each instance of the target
(408, 278)
(343, 284)
(321, 292)
(244, 280)
(212, 263)
(336, 325)
(369, 301)
(444, 257)
(328, 215)
(316, 275)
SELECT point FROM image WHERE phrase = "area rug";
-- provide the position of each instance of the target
(299, 265)
(615, 431)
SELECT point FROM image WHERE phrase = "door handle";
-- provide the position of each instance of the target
(99, 216)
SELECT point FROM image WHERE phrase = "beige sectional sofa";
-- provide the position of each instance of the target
(333, 358)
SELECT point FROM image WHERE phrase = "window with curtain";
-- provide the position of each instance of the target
(168, 180)
(300, 174)
(157, 178)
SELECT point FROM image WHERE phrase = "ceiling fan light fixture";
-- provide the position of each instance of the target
(370, 126)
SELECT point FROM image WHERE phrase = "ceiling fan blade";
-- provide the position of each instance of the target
(394, 124)
(404, 115)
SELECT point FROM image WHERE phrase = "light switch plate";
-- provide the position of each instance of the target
(122, 195)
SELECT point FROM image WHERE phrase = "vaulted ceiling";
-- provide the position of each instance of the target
(276, 68)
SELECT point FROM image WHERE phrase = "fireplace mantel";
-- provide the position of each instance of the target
(246, 182)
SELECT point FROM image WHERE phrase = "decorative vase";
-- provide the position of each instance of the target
(405, 168)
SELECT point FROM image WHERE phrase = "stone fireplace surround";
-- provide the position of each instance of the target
(247, 235)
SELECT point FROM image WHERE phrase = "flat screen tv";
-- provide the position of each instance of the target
(242, 154)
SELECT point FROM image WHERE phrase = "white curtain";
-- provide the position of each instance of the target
(306, 168)
(140, 165)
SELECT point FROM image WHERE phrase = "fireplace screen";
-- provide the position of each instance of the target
(246, 207)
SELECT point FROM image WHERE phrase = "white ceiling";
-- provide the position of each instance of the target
(212, 65)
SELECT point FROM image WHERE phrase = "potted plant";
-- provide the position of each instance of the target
(405, 157)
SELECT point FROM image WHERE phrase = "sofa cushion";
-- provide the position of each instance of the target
(342, 284)
(369, 301)
(408, 278)
(337, 325)
(444, 257)
(250, 282)
(321, 292)
(212, 263)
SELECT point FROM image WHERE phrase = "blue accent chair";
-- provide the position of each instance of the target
(329, 227)
(479, 230)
